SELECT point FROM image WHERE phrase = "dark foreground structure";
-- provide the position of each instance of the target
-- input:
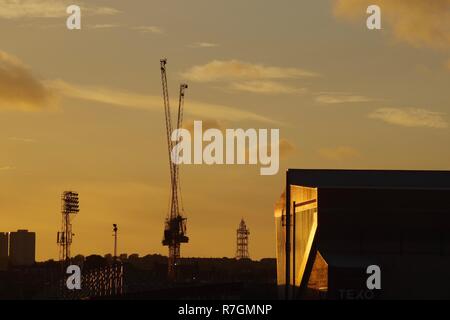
(145, 278)
(333, 224)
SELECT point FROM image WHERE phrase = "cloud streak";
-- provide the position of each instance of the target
(150, 102)
(286, 148)
(18, 139)
(235, 70)
(266, 87)
(6, 168)
(248, 77)
(417, 22)
(46, 9)
(341, 98)
(148, 29)
(410, 117)
(339, 153)
(207, 123)
(20, 89)
(203, 45)
(104, 26)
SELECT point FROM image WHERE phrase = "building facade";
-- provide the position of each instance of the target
(4, 249)
(22, 248)
(333, 225)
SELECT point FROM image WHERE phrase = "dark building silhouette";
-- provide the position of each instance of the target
(145, 278)
(4, 246)
(335, 223)
(22, 248)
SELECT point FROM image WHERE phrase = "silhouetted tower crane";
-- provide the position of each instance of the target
(242, 234)
(69, 207)
(175, 224)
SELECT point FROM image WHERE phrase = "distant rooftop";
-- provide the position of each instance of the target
(378, 179)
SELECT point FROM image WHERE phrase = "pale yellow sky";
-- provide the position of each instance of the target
(82, 109)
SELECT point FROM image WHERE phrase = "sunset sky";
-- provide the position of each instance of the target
(82, 110)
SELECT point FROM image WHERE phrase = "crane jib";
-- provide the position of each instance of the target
(175, 224)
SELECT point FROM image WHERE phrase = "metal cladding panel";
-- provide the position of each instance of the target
(305, 229)
(383, 179)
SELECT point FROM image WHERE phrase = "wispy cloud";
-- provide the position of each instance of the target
(140, 29)
(203, 45)
(417, 22)
(410, 117)
(128, 99)
(339, 153)
(102, 11)
(14, 9)
(20, 89)
(18, 139)
(266, 87)
(286, 148)
(6, 168)
(234, 70)
(43, 26)
(104, 26)
(148, 29)
(207, 123)
(248, 77)
(335, 98)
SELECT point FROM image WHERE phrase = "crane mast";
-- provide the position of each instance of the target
(175, 224)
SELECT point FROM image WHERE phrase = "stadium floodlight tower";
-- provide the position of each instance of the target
(69, 207)
(242, 234)
(115, 229)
